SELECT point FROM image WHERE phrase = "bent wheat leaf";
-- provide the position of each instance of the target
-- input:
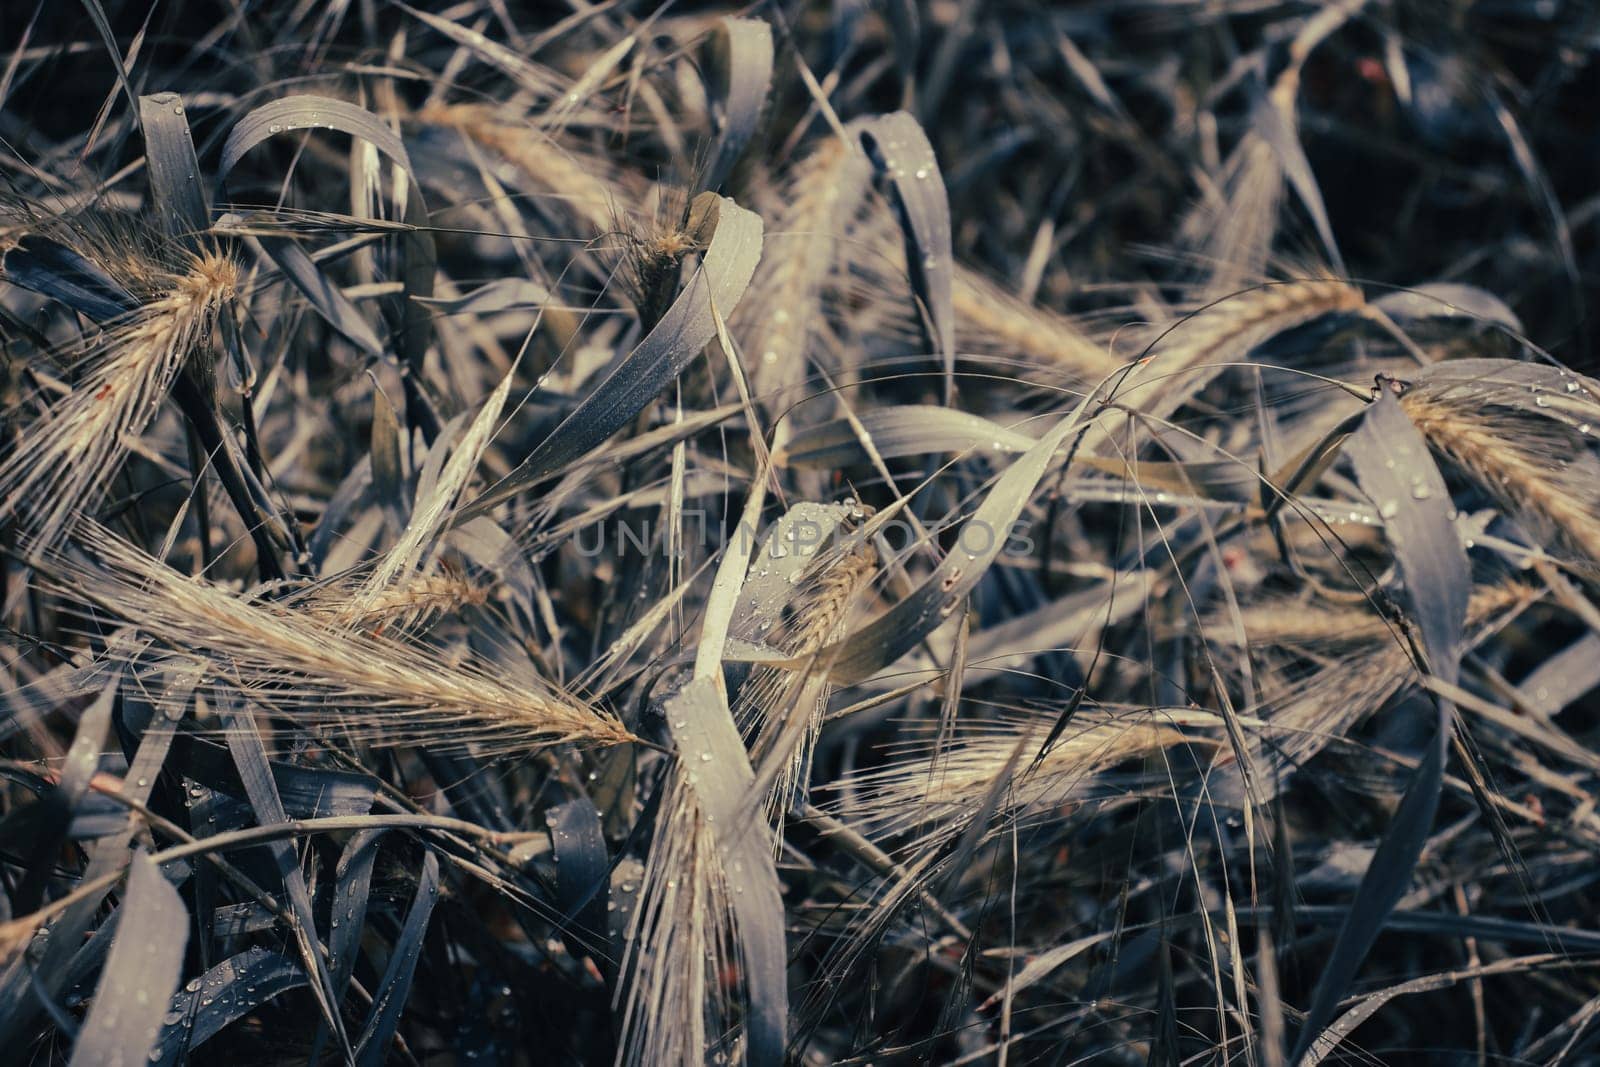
(174, 172)
(53, 270)
(577, 839)
(140, 975)
(227, 992)
(687, 327)
(709, 907)
(903, 430)
(719, 773)
(738, 75)
(390, 996)
(900, 150)
(299, 113)
(262, 791)
(1433, 300)
(1395, 469)
(898, 630)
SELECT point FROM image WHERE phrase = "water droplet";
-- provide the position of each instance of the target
(1389, 509)
(1420, 491)
(705, 757)
(274, 128)
(177, 109)
(922, 174)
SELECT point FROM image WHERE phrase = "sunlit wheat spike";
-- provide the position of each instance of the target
(584, 188)
(942, 792)
(380, 692)
(1181, 355)
(675, 1009)
(407, 606)
(1228, 328)
(68, 454)
(1541, 469)
(810, 212)
(1366, 665)
(989, 319)
(782, 709)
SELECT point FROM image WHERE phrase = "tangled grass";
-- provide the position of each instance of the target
(948, 532)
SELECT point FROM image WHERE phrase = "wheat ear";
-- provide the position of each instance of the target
(811, 212)
(378, 691)
(584, 187)
(69, 453)
(1537, 467)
